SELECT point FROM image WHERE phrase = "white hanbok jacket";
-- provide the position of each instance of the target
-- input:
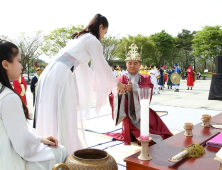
(19, 148)
(64, 97)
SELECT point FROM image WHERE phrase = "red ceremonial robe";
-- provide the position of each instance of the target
(190, 77)
(131, 122)
(18, 89)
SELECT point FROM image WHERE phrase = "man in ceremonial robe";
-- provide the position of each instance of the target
(20, 87)
(126, 107)
(34, 84)
(190, 77)
(169, 82)
(161, 79)
(176, 70)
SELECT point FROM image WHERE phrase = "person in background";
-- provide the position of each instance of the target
(161, 79)
(169, 83)
(114, 71)
(34, 84)
(153, 75)
(176, 70)
(122, 72)
(190, 78)
(20, 87)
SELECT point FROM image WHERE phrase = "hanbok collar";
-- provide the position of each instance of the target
(133, 78)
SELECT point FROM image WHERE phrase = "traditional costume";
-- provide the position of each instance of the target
(142, 71)
(190, 77)
(161, 79)
(20, 149)
(126, 109)
(176, 70)
(20, 87)
(34, 86)
(66, 88)
(169, 82)
(123, 72)
(154, 80)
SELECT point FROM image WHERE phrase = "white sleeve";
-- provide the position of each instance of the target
(105, 82)
(24, 142)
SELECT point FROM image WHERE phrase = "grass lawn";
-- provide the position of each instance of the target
(207, 74)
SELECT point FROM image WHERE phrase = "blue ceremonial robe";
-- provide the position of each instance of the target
(176, 70)
(161, 79)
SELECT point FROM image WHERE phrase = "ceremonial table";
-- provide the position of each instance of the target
(168, 148)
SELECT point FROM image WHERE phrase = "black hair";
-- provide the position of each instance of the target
(8, 51)
(151, 66)
(93, 27)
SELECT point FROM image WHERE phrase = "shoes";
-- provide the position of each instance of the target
(176, 90)
(171, 87)
(188, 88)
(191, 88)
(168, 87)
(161, 88)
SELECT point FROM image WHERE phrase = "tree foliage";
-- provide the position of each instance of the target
(148, 47)
(207, 43)
(184, 45)
(164, 46)
(29, 47)
(110, 45)
(58, 39)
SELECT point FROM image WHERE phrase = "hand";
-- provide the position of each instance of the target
(129, 86)
(121, 87)
(50, 140)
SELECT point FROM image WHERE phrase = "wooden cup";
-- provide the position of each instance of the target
(206, 120)
(188, 129)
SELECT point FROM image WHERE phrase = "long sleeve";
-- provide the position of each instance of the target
(105, 81)
(27, 145)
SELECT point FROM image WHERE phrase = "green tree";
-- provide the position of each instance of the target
(207, 43)
(110, 45)
(184, 46)
(58, 38)
(30, 48)
(165, 44)
(147, 45)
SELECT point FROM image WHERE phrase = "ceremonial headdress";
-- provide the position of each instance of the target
(133, 53)
(141, 67)
(37, 69)
(145, 67)
(175, 64)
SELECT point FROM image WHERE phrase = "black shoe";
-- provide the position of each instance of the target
(191, 88)
(188, 88)
(177, 90)
(171, 87)
(161, 88)
(168, 87)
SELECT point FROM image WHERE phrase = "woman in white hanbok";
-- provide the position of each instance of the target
(19, 148)
(68, 85)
